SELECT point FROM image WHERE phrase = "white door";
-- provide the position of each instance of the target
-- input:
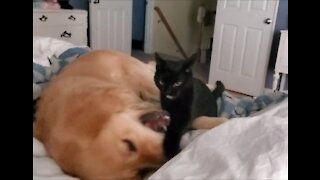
(242, 43)
(110, 24)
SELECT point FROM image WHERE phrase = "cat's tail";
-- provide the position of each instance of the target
(217, 92)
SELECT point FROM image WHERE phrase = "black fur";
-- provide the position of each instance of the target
(184, 97)
(64, 4)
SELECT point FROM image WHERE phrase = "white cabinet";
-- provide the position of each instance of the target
(68, 25)
(281, 67)
(110, 24)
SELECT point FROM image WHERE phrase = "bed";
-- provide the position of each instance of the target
(248, 146)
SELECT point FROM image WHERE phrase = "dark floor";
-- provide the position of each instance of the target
(200, 71)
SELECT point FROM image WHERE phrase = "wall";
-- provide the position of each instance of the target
(79, 4)
(281, 24)
(138, 19)
(182, 17)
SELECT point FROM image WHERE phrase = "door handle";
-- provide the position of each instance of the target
(268, 21)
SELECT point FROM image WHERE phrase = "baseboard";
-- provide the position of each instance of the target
(267, 90)
(136, 44)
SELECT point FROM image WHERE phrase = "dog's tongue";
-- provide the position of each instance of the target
(156, 120)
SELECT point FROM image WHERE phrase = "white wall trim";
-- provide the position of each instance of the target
(267, 90)
(148, 35)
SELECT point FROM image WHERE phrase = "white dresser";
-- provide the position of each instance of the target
(69, 25)
(111, 24)
(281, 68)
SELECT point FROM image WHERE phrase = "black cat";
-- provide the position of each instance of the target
(64, 4)
(184, 97)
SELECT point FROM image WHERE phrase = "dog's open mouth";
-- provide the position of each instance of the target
(156, 120)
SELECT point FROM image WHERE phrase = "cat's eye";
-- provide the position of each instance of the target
(161, 82)
(177, 84)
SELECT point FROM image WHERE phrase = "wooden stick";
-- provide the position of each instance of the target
(166, 24)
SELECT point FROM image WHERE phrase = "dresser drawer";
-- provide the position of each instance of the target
(74, 17)
(75, 34)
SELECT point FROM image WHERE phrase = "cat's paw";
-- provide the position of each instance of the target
(171, 147)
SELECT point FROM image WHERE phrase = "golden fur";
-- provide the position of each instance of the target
(92, 106)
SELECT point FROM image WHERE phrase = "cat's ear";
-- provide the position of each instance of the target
(159, 59)
(191, 60)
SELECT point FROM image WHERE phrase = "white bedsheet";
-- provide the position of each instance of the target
(46, 47)
(44, 168)
(243, 148)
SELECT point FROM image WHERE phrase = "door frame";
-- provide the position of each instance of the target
(148, 28)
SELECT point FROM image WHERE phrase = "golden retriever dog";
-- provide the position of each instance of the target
(90, 121)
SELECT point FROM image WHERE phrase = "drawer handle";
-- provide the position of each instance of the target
(43, 18)
(96, 2)
(66, 34)
(72, 18)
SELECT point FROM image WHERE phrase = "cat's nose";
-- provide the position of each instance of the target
(171, 92)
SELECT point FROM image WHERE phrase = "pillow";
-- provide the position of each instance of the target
(43, 74)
